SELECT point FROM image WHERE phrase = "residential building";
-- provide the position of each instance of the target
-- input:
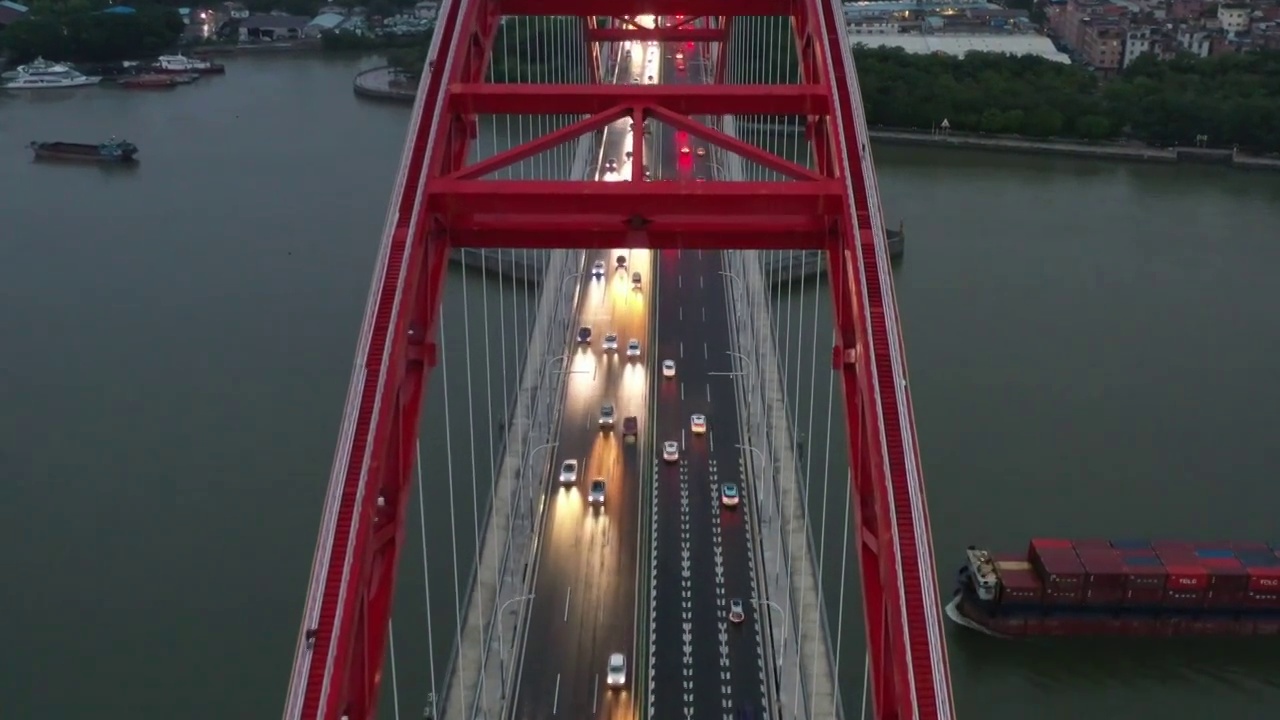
(1102, 44)
(1234, 19)
(1136, 44)
(236, 11)
(322, 23)
(426, 10)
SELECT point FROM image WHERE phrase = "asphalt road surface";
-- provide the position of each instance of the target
(585, 588)
(705, 667)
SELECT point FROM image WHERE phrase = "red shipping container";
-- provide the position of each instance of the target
(1183, 598)
(1224, 599)
(1144, 596)
(1145, 576)
(1262, 600)
(1103, 570)
(1104, 595)
(1059, 568)
(1264, 579)
(1186, 577)
(1040, 545)
(1228, 576)
(1022, 587)
(1159, 545)
(1092, 545)
(1213, 545)
(1250, 546)
(1055, 596)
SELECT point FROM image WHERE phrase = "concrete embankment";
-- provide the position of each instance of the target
(1101, 150)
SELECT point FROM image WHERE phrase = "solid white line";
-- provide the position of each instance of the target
(595, 695)
(567, 595)
(555, 701)
(681, 438)
(711, 441)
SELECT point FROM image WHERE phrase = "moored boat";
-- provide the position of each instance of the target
(111, 151)
(41, 67)
(149, 81)
(1138, 588)
(183, 65)
(50, 82)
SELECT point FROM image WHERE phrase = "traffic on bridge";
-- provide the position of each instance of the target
(642, 552)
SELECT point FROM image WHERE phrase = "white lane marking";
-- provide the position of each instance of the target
(682, 313)
(679, 281)
(700, 282)
(595, 695)
(682, 446)
(711, 441)
(568, 594)
(681, 348)
(704, 314)
(555, 701)
(681, 391)
(706, 354)
(708, 393)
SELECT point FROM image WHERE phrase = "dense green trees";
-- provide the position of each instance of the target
(76, 30)
(1232, 99)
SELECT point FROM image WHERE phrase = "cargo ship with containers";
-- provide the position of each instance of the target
(1129, 587)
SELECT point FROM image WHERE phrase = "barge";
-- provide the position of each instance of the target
(1121, 588)
(112, 151)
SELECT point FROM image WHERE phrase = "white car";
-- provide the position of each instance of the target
(633, 348)
(597, 270)
(729, 495)
(569, 472)
(698, 424)
(668, 368)
(595, 496)
(611, 341)
(670, 451)
(607, 415)
(736, 613)
(616, 676)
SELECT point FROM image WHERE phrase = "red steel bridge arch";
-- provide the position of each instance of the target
(441, 202)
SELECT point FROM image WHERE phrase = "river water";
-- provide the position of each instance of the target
(1090, 346)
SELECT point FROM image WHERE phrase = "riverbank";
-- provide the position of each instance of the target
(1107, 151)
(381, 84)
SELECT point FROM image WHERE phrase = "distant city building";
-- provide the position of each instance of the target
(951, 29)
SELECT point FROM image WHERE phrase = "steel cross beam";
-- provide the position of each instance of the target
(632, 8)
(663, 34)
(549, 99)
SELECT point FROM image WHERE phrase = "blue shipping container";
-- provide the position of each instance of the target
(1215, 554)
(1143, 561)
(1131, 544)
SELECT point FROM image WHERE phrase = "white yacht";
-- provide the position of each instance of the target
(43, 82)
(184, 64)
(42, 68)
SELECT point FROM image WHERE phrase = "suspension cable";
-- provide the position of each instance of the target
(844, 565)
(426, 574)
(453, 515)
(395, 684)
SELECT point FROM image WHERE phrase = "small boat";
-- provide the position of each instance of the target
(50, 82)
(183, 65)
(150, 81)
(41, 68)
(111, 151)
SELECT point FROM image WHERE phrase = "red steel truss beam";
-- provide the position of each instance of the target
(633, 8)
(760, 232)
(547, 99)
(662, 34)
(901, 603)
(459, 198)
(338, 661)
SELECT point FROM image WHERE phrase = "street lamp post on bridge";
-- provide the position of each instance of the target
(764, 463)
(777, 661)
(742, 288)
(533, 485)
(502, 646)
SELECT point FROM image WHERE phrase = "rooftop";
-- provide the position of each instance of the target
(959, 45)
